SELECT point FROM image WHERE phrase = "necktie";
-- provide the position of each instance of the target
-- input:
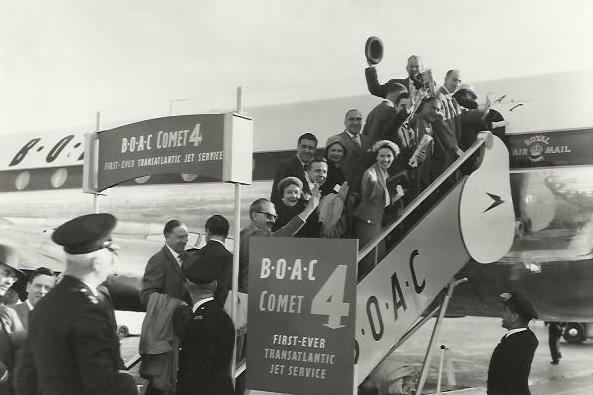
(357, 139)
(182, 256)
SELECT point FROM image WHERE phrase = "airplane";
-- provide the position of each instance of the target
(550, 140)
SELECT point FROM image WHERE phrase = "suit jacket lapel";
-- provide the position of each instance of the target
(352, 145)
(173, 261)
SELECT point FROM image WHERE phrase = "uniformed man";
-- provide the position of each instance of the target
(72, 342)
(9, 323)
(510, 363)
(207, 341)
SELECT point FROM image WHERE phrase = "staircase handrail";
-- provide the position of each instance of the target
(370, 246)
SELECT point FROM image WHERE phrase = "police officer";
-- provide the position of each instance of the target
(72, 342)
(510, 363)
(9, 338)
(208, 339)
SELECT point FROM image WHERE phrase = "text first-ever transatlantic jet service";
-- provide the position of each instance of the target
(550, 142)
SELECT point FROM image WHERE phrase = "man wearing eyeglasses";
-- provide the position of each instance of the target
(262, 214)
(72, 347)
(10, 326)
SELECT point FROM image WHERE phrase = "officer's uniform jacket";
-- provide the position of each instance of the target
(72, 347)
(510, 364)
(206, 350)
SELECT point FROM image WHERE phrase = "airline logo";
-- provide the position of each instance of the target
(406, 282)
(31, 151)
(486, 213)
(559, 148)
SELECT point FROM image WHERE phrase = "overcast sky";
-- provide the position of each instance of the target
(63, 60)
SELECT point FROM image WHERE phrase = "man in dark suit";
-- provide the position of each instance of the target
(357, 145)
(207, 341)
(41, 281)
(510, 363)
(384, 120)
(555, 330)
(72, 347)
(217, 230)
(296, 166)
(413, 67)
(163, 272)
(163, 275)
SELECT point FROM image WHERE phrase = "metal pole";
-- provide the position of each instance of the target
(443, 350)
(236, 242)
(96, 194)
(239, 99)
(435, 333)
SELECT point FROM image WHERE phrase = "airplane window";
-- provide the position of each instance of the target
(22, 180)
(58, 178)
(193, 240)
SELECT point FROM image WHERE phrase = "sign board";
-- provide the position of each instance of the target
(547, 149)
(301, 315)
(199, 144)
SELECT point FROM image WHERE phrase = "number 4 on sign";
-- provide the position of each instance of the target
(195, 136)
(329, 299)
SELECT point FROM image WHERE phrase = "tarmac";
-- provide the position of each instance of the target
(470, 342)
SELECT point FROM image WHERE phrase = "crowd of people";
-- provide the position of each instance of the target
(361, 183)
(62, 338)
(367, 175)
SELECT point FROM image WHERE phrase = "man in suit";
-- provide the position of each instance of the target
(384, 120)
(316, 176)
(41, 281)
(72, 347)
(262, 215)
(510, 364)
(163, 272)
(163, 275)
(217, 230)
(9, 322)
(296, 166)
(207, 340)
(357, 146)
(413, 67)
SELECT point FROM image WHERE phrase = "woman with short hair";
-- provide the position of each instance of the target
(290, 190)
(375, 198)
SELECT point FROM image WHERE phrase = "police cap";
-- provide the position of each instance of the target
(199, 270)
(85, 234)
(518, 303)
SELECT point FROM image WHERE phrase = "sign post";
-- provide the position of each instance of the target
(301, 315)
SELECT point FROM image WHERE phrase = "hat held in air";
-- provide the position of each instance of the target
(373, 50)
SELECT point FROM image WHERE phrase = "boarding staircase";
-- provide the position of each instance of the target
(463, 217)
